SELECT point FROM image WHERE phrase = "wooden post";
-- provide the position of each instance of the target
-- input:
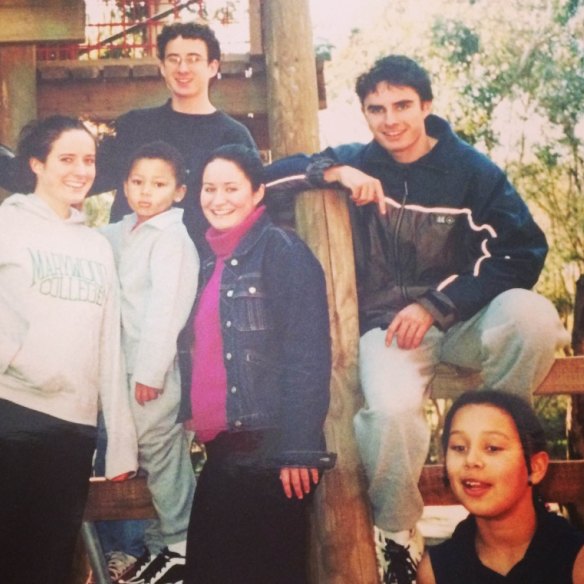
(25, 22)
(342, 533)
(576, 430)
(18, 94)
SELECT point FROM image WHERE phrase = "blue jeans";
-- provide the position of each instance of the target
(126, 535)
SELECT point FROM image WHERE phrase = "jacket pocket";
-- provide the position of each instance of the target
(250, 305)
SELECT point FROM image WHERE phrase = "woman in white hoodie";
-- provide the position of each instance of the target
(59, 355)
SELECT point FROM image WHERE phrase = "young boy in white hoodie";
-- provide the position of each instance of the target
(158, 269)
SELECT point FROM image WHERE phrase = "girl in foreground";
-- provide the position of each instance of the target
(59, 353)
(495, 457)
(260, 385)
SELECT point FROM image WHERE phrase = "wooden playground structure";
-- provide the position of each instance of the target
(284, 121)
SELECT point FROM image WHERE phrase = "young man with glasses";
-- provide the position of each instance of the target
(189, 56)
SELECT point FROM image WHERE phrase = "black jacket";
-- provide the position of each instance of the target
(456, 234)
(194, 135)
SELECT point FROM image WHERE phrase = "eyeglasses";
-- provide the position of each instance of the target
(188, 60)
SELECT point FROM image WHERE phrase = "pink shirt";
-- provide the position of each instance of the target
(209, 377)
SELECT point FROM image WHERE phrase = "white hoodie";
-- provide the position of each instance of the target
(60, 323)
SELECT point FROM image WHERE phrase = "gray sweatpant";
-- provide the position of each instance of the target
(164, 454)
(512, 341)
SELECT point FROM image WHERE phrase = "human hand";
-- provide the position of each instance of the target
(123, 477)
(297, 480)
(409, 326)
(145, 393)
(364, 188)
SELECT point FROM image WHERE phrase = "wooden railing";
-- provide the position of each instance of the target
(564, 482)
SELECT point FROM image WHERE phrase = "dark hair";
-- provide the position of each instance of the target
(246, 159)
(36, 140)
(189, 30)
(524, 417)
(395, 70)
(160, 150)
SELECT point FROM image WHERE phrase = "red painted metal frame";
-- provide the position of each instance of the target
(130, 32)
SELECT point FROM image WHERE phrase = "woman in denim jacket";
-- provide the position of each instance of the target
(258, 384)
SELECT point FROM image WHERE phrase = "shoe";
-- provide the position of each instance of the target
(119, 565)
(398, 555)
(165, 568)
(137, 569)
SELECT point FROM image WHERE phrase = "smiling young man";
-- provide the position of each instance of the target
(444, 264)
(189, 56)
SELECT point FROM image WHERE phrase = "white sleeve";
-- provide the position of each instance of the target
(122, 444)
(174, 269)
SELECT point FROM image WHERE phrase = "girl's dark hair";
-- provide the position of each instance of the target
(395, 70)
(161, 150)
(36, 141)
(524, 417)
(189, 30)
(246, 159)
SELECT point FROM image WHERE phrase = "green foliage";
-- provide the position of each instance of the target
(97, 209)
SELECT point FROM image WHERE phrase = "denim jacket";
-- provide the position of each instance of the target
(276, 342)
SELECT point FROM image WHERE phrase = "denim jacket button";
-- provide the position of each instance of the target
(237, 423)
(228, 356)
(252, 290)
(234, 262)
(234, 389)
(228, 324)
(229, 293)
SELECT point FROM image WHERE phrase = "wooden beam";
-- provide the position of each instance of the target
(105, 89)
(342, 533)
(105, 99)
(129, 499)
(566, 376)
(34, 21)
(19, 90)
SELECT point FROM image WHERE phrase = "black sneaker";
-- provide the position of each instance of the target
(174, 575)
(165, 568)
(136, 570)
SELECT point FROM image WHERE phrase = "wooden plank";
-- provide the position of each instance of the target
(104, 100)
(119, 500)
(564, 483)
(565, 377)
